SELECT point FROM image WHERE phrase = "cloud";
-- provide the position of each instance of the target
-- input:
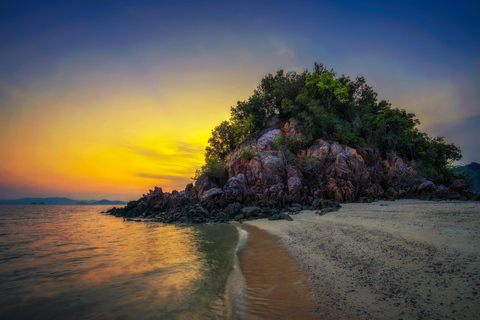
(172, 154)
(189, 148)
(157, 176)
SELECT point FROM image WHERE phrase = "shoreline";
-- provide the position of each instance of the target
(389, 259)
(277, 287)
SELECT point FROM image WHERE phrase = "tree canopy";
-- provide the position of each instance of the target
(325, 106)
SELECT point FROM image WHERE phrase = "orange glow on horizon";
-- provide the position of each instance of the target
(120, 139)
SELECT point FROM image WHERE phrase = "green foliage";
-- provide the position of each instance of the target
(310, 166)
(244, 127)
(214, 168)
(346, 134)
(247, 153)
(325, 106)
(471, 173)
(253, 113)
(279, 91)
(222, 142)
(287, 144)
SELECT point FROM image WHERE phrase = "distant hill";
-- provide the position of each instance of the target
(61, 201)
(472, 170)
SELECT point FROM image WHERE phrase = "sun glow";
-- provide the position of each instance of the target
(86, 139)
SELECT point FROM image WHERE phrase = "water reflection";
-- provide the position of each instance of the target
(71, 262)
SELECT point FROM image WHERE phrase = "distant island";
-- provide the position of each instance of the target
(61, 201)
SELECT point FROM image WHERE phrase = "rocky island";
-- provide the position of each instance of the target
(308, 141)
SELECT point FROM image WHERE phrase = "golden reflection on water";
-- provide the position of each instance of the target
(101, 258)
(155, 248)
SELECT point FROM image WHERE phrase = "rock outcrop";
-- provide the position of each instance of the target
(274, 182)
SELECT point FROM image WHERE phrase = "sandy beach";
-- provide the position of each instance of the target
(405, 259)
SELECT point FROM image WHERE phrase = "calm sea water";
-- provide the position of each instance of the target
(71, 262)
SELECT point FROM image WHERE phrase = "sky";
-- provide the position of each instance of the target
(107, 99)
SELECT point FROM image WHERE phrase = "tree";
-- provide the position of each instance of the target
(325, 106)
(222, 142)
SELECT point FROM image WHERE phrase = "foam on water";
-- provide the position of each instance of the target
(236, 289)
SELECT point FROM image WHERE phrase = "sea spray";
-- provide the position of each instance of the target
(236, 289)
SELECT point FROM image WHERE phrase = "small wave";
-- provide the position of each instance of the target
(236, 291)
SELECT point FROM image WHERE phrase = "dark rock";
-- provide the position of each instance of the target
(317, 203)
(286, 217)
(364, 200)
(236, 187)
(222, 216)
(250, 211)
(427, 186)
(201, 210)
(233, 209)
(271, 181)
(275, 217)
(203, 184)
(210, 193)
(460, 186)
(190, 192)
(239, 217)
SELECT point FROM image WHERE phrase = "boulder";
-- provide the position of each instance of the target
(236, 187)
(250, 211)
(203, 184)
(233, 209)
(222, 216)
(209, 194)
(275, 217)
(267, 141)
(239, 217)
(295, 185)
(460, 186)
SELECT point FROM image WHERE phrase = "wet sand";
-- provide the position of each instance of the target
(405, 259)
(278, 287)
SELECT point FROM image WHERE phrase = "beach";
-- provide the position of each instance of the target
(405, 259)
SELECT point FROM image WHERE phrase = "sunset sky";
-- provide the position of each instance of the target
(107, 99)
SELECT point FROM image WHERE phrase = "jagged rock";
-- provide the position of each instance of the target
(222, 216)
(294, 209)
(317, 203)
(211, 193)
(427, 186)
(323, 174)
(285, 217)
(203, 184)
(190, 192)
(267, 141)
(239, 217)
(365, 200)
(460, 186)
(233, 209)
(236, 187)
(250, 211)
(295, 185)
(201, 210)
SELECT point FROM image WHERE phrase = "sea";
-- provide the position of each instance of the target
(73, 262)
